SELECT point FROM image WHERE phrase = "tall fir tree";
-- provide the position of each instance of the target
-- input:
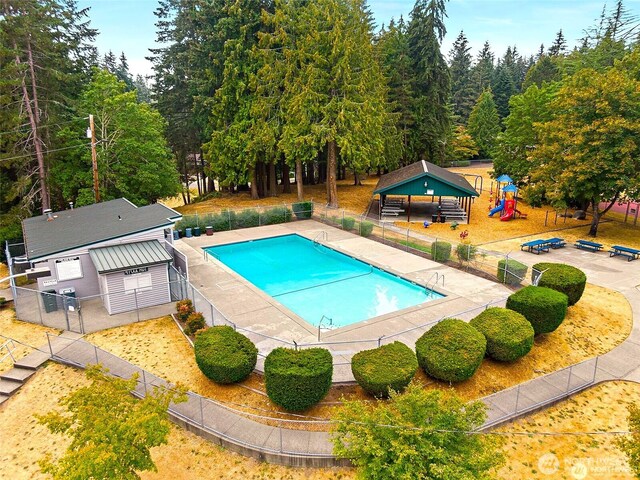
(484, 124)
(432, 79)
(462, 92)
(559, 45)
(482, 71)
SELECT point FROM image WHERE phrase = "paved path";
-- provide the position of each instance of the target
(277, 444)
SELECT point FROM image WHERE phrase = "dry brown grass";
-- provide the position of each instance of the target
(599, 322)
(602, 408)
(32, 335)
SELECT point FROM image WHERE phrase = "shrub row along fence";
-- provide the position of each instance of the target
(463, 255)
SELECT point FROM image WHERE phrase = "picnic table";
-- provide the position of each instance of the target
(630, 253)
(587, 245)
(537, 246)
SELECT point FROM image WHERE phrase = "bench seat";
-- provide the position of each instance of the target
(587, 245)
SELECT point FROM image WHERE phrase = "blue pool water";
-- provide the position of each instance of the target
(315, 281)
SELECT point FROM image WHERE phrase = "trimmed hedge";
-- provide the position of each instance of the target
(466, 252)
(348, 223)
(441, 251)
(275, 215)
(387, 367)
(511, 272)
(451, 351)
(563, 278)
(366, 228)
(543, 307)
(302, 210)
(224, 355)
(509, 335)
(298, 379)
(246, 219)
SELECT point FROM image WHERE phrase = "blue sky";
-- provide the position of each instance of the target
(128, 25)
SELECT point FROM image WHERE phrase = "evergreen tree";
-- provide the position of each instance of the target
(109, 62)
(482, 71)
(559, 45)
(484, 124)
(432, 81)
(142, 89)
(462, 92)
(393, 50)
(504, 88)
(122, 72)
(545, 70)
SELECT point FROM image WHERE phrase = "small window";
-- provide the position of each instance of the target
(141, 283)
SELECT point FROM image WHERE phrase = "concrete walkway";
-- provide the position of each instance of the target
(289, 446)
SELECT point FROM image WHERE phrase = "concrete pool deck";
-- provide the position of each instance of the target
(274, 325)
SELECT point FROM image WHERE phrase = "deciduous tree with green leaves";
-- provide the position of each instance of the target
(484, 123)
(416, 434)
(111, 431)
(590, 150)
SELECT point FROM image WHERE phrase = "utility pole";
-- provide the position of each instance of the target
(94, 158)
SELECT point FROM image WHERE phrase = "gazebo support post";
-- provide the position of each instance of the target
(409, 211)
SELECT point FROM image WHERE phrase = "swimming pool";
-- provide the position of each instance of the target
(318, 282)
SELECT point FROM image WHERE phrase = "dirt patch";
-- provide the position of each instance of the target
(600, 409)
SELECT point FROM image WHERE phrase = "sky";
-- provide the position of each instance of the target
(129, 25)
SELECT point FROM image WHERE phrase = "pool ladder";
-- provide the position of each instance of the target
(324, 317)
(323, 235)
(438, 276)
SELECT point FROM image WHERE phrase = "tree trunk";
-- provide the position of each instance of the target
(186, 176)
(597, 214)
(299, 180)
(204, 174)
(356, 179)
(254, 184)
(286, 184)
(34, 117)
(273, 180)
(332, 188)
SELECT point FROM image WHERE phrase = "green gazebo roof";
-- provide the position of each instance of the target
(424, 179)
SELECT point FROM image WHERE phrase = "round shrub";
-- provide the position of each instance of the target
(348, 223)
(224, 355)
(441, 251)
(509, 335)
(184, 308)
(563, 278)
(511, 272)
(387, 367)
(302, 210)
(298, 379)
(466, 252)
(452, 350)
(543, 307)
(366, 228)
(195, 322)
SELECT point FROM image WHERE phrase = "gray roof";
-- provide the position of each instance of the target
(424, 168)
(86, 226)
(128, 255)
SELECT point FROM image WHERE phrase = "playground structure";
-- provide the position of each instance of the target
(506, 200)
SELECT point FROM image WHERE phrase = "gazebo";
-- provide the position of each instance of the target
(424, 179)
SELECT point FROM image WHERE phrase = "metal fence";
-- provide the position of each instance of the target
(250, 433)
(542, 391)
(89, 314)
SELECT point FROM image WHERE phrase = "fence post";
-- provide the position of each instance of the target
(66, 313)
(201, 412)
(380, 340)
(517, 398)
(144, 382)
(49, 342)
(280, 430)
(595, 369)
(295, 345)
(95, 350)
(213, 319)
(434, 249)
(135, 297)
(569, 379)
(407, 246)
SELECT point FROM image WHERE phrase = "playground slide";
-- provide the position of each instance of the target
(499, 208)
(508, 213)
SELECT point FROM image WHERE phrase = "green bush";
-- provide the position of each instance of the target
(224, 355)
(222, 221)
(184, 308)
(563, 278)
(275, 215)
(441, 251)
(3, 301)
(466, 252)
(387, 367)
(509, 335)
(451, 351)
(348, 223)
(298, 379)
(366, 228)
(302, 210)
(543, 307)
(195, 322)
(511, 272)
(246, 219)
